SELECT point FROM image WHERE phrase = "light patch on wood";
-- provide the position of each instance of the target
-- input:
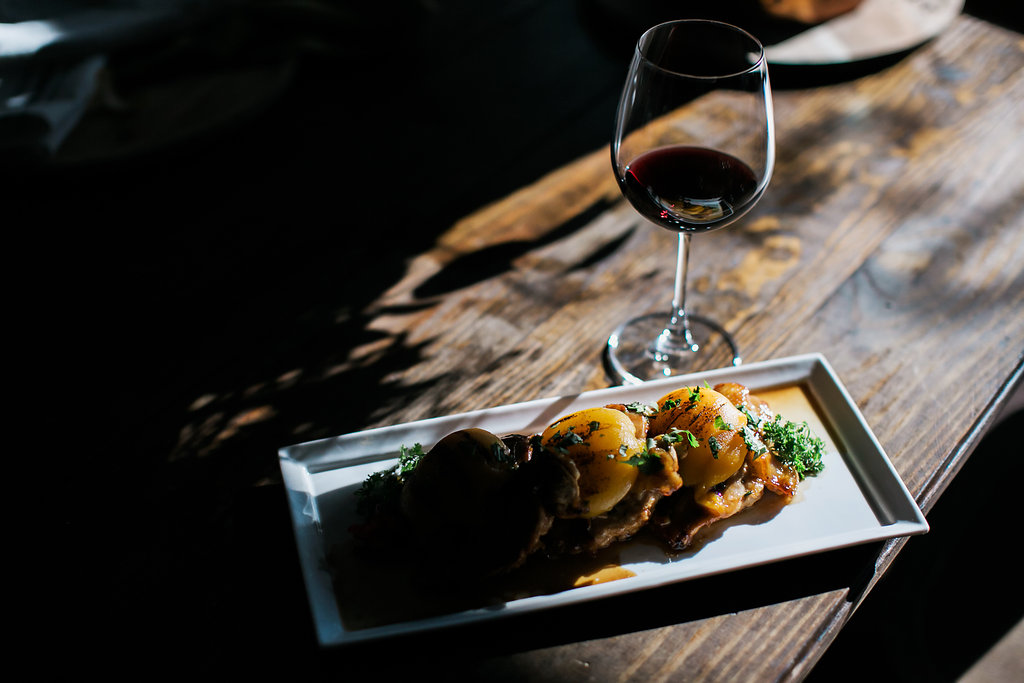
(965, 96)
(202, 402)
(769, 263)
(839, 161)
(204, 439)
(244, 419)
(922, 141)
(763, 224)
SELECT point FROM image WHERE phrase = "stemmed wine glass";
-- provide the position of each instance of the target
(689, 174)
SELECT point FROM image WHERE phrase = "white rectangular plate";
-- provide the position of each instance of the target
(858, 498)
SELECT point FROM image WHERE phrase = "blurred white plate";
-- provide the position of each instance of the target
(858, 498)
(875, 28)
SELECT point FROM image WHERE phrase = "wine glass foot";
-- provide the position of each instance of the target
(637, 352)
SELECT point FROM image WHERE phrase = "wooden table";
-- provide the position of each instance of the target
(891, 240)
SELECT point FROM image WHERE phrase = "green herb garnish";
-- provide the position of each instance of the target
(796, 445)
(380, 491)
(753, 442)
(751, 418)
(645, 409)
(676, 435)
(561, 442)
(646, 461)
(501, 455)
(408, 458)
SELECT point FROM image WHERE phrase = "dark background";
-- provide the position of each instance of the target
(250, 182)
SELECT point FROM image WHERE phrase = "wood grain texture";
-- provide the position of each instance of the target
(891, 240)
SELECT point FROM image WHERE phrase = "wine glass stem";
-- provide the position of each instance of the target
(676, 337)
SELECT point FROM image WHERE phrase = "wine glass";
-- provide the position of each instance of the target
(693, 151)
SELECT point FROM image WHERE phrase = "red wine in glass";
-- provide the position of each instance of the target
(689, 188)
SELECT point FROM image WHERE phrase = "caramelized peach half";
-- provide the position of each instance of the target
(599, 441)
(715, 422)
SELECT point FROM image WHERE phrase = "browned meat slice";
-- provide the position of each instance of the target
(740, 395)
(570, 536)
(482, 504)
(640, 420)
(680, 519)
(778, 477)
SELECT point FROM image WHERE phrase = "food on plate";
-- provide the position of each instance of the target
(592, 478)
(733, 465)
(601, 443)
(474, 500)
(623, 474)
(717, 427)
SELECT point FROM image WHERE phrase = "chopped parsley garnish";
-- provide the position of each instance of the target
(646, 461)
(561, 442)
(751, 418)
(694, 394)
(501, 455)
(721, 424)
(676, 435)
(753, 442)
(645, 409)
(408, 458)
(669, 404)
(380, 491)
(796, 445)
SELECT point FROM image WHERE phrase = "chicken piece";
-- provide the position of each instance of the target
(679, 520)
(593, 478)
(740, 395)
(475, 503)
(778, 477)
(664, 478)
(555, 479)
(569, 536)
(640, 420)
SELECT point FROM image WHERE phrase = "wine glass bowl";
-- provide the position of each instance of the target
(693, 151)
